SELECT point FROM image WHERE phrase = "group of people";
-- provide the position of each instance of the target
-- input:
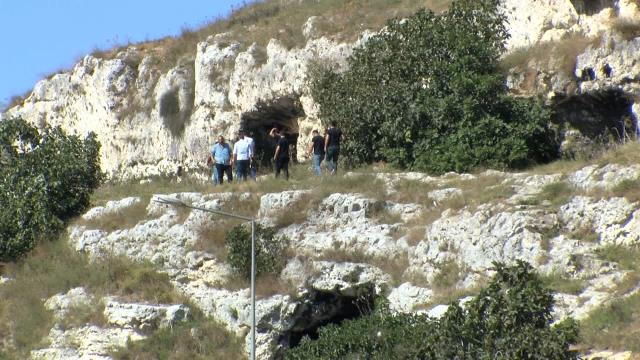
(223, 159)
(325, 147)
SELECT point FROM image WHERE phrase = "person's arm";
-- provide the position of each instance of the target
(275, 156)
(310, 148)
(234, 155)
(326, 141)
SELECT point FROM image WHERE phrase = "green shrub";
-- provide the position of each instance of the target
(509, 319)
(46, 177)
(428, 94)
(270, 250)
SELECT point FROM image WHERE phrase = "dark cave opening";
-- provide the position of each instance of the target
(323, 308)
(282, 113)
(592, 7)
(604, 115)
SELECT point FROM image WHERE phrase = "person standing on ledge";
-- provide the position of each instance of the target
(221, 158)
(332, 147)
(241, 156)
(253, 166)
(281, 156)
(316, 150)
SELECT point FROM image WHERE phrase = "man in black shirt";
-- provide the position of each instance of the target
(332, 146)
(316, 150)
(281, 157)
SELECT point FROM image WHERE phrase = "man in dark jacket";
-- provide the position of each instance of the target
(316, 150)
(281, 156)
(332, 146)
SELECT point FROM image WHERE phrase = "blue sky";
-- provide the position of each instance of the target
(39, 37)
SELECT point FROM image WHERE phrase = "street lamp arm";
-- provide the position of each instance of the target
(176, 202)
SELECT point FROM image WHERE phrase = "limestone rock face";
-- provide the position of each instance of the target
(343, 250)
(125, 322)
(150, 119)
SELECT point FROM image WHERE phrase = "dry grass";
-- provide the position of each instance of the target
(412, 191)
(53, 267)
(260, 21)
(394, 266)
(212, 234)
(629, 29)
(585, 233)
(295, 213)
(615, 326)
(123, 219)
(563, 284)
(554, 56)
(198, 338)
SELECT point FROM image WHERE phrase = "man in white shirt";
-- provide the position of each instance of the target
(253, 169)
(241, 156)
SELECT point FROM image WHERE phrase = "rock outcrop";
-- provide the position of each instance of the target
(341, 251)
(124, 323)
(150, 120)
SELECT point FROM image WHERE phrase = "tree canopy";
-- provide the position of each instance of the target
(426, 93)
(46, 177)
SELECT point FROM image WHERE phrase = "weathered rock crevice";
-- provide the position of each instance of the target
(321, 308)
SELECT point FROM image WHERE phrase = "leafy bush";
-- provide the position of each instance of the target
(270, 250)
(509, 319)
(427, 93)
(45, 178)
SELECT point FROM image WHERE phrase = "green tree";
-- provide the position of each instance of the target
(270, 250)
(46, 177)
(510, 319)
(427, 93)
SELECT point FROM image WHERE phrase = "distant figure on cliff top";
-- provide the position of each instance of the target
(316, 150)
(241, 156)
(332, 147)
(281, 156)
(220, 158)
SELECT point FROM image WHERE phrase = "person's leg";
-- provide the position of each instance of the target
(285, 168)
(229, 172)
(214, 175)
(278, 167)
(317, 159)
(331, 161)
(336, 154)
(218, 170)
(245, 169)
(253, 170)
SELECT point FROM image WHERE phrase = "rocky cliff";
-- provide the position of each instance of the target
(417, 241)
(151, 120)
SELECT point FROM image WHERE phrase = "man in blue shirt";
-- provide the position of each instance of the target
(221, 156)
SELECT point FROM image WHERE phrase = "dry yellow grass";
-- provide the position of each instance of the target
(259, 21)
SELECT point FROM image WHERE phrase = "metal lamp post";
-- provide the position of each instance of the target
(176, 202)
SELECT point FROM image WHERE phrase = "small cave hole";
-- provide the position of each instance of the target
(606, 70)
(281, 113)
(323, 308)
(588, 74)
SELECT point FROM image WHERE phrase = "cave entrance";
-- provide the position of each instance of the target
(592, 7)
(282, 113)
(603, 115)
(323, 308)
